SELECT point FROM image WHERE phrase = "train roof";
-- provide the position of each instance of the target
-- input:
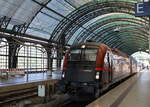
(115, 51)
(93, 44)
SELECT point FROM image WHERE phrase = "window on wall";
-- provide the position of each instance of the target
(3, 53)
(32, 57)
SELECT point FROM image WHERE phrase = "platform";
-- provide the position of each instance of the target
(139, 95)
(134, 92)
(32, 80)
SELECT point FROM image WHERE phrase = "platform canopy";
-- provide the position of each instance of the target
(74, 21)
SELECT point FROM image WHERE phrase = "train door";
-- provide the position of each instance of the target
(106, 70)
(131, 66)
(110, 62)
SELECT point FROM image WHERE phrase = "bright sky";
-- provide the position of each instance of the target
(142, 55)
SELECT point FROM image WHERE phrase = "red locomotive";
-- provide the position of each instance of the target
(93, 67)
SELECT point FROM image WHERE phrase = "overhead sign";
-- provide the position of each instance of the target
(142, 9)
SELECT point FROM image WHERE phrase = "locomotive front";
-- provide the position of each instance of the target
(79, 73)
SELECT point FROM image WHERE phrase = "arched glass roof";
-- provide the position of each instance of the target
(78, 20)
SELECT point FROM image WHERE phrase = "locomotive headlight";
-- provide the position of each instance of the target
(97, 75)
(83, 46)
(63, 75)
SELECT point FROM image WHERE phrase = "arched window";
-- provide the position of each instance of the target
(32, 57)
(3, 53)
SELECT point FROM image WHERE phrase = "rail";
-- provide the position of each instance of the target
(17, 95)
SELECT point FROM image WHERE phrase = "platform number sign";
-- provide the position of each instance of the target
(142, 9)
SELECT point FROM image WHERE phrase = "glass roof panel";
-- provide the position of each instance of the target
(7, 5)
(26, 11)
(47, 20)
(61, 7)
(101, 19)
(38, 13)
(77, 3)
(44, 25)
(20, 11)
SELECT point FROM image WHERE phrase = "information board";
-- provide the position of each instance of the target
(142, 9)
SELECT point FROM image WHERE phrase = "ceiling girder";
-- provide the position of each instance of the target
(88, 12)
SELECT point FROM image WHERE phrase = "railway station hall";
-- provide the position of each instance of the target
(74, 53)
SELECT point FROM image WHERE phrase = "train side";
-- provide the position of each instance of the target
(93, 67)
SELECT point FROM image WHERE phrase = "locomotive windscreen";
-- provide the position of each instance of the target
(81, 62)
(84, 59)
(83, 55)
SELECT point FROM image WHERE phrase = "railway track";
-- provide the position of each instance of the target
(71, 103)
(17, 95)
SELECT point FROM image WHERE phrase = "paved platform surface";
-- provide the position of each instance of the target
(139, 95)
(34, 77)
(134, 92)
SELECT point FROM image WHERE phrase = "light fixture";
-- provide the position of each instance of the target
(147, 50)
(63, 75)
(97, 75)
(117, 29)
(83, 46)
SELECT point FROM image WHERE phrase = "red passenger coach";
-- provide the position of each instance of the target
(93, 67)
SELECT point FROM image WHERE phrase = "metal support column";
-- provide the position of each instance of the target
(12, 53)
(4, 21)
(20, 29)
(49, 62)
(27, 72)
(149, 34)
